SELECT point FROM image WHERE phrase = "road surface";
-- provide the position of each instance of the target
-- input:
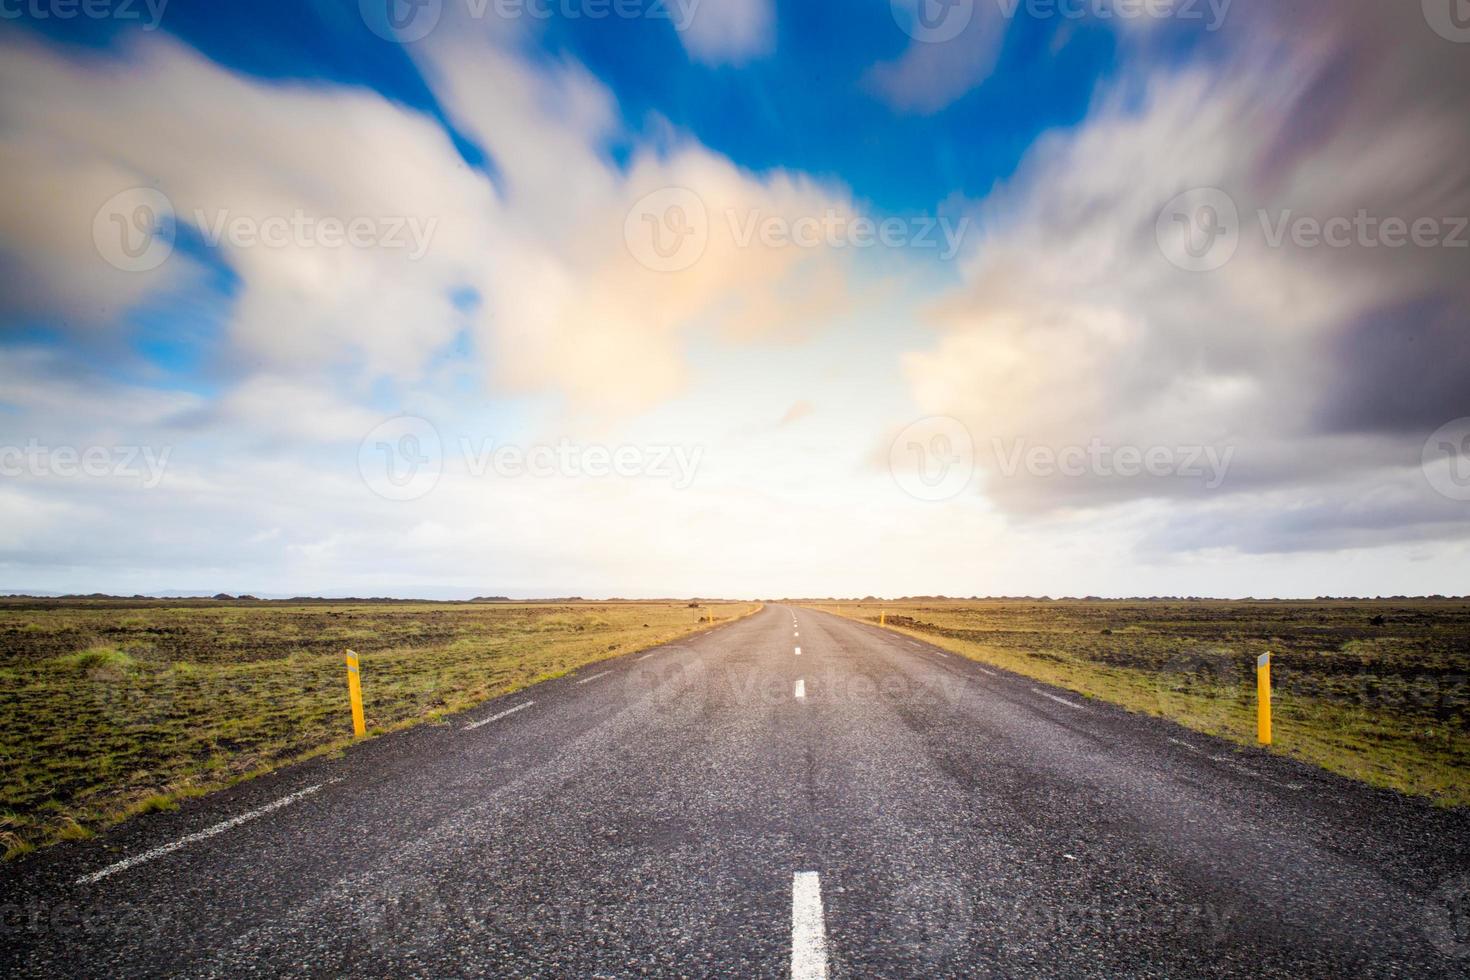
(727, 806)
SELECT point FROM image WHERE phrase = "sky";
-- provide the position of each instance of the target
(641, 298)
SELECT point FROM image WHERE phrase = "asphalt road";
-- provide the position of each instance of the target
(683, 812)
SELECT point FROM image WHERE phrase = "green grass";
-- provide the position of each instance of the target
(1387, 703)
(114, 709)
(94, 658)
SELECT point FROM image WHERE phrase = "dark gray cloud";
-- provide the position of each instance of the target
(1323, 364)
(1404, 369)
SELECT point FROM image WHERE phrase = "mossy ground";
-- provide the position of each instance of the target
(1378, 691)
(115, 708)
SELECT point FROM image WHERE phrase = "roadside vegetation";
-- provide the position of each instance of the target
(116, 707)
(1375, 690)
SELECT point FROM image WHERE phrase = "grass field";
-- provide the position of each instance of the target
(112, 708)
(1378, 691)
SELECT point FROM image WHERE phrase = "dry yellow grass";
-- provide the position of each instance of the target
(1377, 691)
(114, 708)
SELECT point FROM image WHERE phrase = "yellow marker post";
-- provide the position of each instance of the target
(1263, 698)
(354, 693)
(882, 618)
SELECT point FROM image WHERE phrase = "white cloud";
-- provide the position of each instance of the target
(720, 32)
(223, 148)
(569, 304)
(567, 309)
(933, 72)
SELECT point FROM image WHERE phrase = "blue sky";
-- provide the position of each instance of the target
(934, 319)
(773, 112)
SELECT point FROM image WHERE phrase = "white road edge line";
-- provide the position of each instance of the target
(801, 689)
(589, 680)
(643, 658)
(1225, 760)
(808, 928)
(1070, 704)
(485, 721)
(208, 832)
(985, 671)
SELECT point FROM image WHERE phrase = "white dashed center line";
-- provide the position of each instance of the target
(218, 828)
(808, 928)
(507, 712)
(801, 690)
(589, 680)
(798, 651)
(1073, 706)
